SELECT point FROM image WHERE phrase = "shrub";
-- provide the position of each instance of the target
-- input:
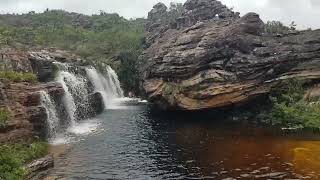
(289, 109)
(18, 76)
(14, 156)
(277, 27)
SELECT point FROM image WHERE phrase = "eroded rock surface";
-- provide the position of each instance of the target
(38, 169)
(28, 117)
(215, 58)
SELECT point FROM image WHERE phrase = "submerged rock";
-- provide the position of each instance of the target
(214, 58)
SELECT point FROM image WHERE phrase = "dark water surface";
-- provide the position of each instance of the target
(132, 144)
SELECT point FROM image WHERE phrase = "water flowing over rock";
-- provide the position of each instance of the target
(66, 94)
(52, 115)
(215, 58)
(108, 85)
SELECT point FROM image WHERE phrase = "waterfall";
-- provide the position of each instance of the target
(68, 100)
(108, 86)
(52, 119)
(76, 92)
(79, 84)
(114, 80)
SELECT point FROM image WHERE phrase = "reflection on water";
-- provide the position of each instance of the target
(136, 145)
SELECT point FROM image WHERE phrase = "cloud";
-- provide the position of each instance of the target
(304, 12)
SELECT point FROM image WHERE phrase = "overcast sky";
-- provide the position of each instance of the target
(306, 13)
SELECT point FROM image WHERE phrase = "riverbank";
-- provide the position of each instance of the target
(16, 160)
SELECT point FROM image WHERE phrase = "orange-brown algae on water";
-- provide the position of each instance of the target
(252, 156)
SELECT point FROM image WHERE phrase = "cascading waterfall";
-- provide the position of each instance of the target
(79, 83)
(76, 91)
(68, 100)
(108, 86)
(52, 116)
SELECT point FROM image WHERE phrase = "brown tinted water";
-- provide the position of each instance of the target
(133, 144)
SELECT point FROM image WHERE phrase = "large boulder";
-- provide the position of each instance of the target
(219, 59)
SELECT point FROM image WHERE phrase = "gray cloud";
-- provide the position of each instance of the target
(304, 12)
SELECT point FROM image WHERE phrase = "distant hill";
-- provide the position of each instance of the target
(98, 38)
(86, 35)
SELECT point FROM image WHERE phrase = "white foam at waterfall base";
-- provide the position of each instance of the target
(52, 116)
(85, 127)
(75, 133)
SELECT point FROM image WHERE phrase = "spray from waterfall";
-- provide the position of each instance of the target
(52, 116)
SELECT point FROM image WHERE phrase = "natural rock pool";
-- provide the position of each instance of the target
(132, 143)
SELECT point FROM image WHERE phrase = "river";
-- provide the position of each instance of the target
(132, 143)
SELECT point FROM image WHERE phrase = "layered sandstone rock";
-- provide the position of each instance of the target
(215, 58)
(28, 117)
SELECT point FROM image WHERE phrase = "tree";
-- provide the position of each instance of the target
(276, 27)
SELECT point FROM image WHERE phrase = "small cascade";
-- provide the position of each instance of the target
(52, 119)
(76, 98)
(108, 85)
(114, 81)
(68, 100)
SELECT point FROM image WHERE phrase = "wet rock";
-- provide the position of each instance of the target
(38, 169)
(218, 59)
(42, 62)
(93, 107)
(28, 117)
(96, 102)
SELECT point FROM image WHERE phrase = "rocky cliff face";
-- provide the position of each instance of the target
(28, 117)
(214, 58)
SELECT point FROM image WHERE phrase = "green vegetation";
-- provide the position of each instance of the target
(18, 76)
(98, 38)
(175, 11)
(277, 27)
(290, 109)
(14, 156)
(4, 117)
(128, 71)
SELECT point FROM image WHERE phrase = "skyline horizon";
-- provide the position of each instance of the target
(268, 10)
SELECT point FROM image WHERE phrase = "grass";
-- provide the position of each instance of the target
(14, 156)
(18, 76)
(4, 116)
